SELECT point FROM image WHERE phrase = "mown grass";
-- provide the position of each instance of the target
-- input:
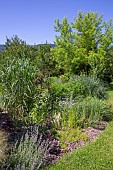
(97, 155)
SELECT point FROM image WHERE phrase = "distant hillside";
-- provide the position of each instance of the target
(2, 46)
(52, 45)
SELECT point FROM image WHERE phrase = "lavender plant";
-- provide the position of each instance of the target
(29, 153)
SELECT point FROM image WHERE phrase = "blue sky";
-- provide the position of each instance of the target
(33, 20)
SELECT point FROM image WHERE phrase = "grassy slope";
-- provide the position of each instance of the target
(98, 155)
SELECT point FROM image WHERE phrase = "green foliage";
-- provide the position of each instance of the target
(65, 103)
(68, 117)
(60, 88)
(83, 113)
(70, 135)
(35, 116)
(63, 52)
(83, 85)
(45, 64)
(92, 110)
(106, 72)
(89, 85)
(17, 48)
(65, 95)
(83, 44)
(39, 113)
(18, 89)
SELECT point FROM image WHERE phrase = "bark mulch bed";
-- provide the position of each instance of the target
(92, 134)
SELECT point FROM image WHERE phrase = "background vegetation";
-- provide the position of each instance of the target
(60, 90)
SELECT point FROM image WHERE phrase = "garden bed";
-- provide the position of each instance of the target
(55, 152)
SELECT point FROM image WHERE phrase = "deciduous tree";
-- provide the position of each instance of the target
(82, 45)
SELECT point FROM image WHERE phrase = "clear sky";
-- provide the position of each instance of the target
(33, 20)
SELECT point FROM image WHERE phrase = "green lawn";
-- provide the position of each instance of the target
(97, 155)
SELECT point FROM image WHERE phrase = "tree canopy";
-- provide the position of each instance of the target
(83, 44)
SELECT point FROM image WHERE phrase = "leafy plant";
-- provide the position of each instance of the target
(75, 86)
(39, 113)
(83, 45)
(70, 135)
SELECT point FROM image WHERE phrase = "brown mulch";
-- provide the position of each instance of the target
(92, 134)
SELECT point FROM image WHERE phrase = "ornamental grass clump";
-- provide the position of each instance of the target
(18, 90)
(84, 112)
(91, 110)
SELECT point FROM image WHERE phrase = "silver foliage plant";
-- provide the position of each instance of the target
(29, 153)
